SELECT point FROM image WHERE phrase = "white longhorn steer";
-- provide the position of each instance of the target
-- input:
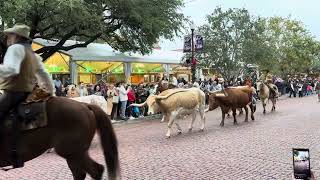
(93, 99)
(175, 102)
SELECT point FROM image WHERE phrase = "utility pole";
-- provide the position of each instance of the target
(193, 65)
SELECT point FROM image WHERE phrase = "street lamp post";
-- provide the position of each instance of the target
(193, 65)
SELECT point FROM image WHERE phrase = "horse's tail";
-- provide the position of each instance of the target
(108, 141)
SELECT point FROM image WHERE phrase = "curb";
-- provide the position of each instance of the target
(129, 121)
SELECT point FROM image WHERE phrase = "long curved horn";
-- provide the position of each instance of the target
(139, 105)
(158, 97)
(213, 92)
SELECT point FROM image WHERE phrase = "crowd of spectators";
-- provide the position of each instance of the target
(119, 96)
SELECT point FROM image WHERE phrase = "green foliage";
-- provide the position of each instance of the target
(126, 25)
(225, 35)
(234, 39)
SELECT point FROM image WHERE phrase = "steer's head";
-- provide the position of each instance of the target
(214, 101)
(151, 103)
(153, 107)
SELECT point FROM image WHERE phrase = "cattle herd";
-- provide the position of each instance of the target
(173, 103)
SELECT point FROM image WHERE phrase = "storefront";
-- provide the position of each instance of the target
(99, 62)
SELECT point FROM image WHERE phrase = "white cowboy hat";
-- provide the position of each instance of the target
(20, 30)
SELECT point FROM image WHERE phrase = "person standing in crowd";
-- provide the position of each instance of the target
(82, 90)
(97, 90)
(58, 86)
(196, 84)
(317, 87)
(174, 81)
(152, 89)
(112, 100)
(292, 88)
(72, 91)
(131, 100)
(123, 94)
(309, 89)
(142, 95)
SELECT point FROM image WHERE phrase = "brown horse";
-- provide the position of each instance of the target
(70, 130)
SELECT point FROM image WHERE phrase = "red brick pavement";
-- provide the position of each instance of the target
(254, 150)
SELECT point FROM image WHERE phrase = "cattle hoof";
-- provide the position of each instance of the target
(190, 130)
(264, 112)
(179, 132)
(201, 130)
(252, 118)
(168, 137)
(235, 123)
(221, 125)
(246, 120)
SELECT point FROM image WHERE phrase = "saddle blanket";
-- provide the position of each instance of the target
(32, 113)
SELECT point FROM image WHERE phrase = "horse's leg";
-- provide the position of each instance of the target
(246, 109)
(224, 111)
(76, 169)
(94, 169)
(234, 113)
(194, 115)
(252, 111)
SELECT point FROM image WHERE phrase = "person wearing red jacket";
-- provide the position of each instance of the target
(131, 100)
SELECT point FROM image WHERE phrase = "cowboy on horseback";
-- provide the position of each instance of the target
(273, 88)
(20, 68)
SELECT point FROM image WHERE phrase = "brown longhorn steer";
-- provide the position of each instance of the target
(231, 98)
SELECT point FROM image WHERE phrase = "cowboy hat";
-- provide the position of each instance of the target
(20, 30)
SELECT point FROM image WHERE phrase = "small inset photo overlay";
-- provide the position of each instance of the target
(301, 163)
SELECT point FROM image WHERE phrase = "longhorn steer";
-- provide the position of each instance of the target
(231, 98)
(172, 103)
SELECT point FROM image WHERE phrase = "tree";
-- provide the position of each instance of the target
(126, 25)
(225, 35)
(292, 48)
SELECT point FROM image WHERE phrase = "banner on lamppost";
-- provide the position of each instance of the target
(198, 43)
(187, 44)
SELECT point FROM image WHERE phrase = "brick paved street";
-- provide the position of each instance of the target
(254, 150)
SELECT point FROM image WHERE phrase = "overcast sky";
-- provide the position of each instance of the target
(306, 11)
